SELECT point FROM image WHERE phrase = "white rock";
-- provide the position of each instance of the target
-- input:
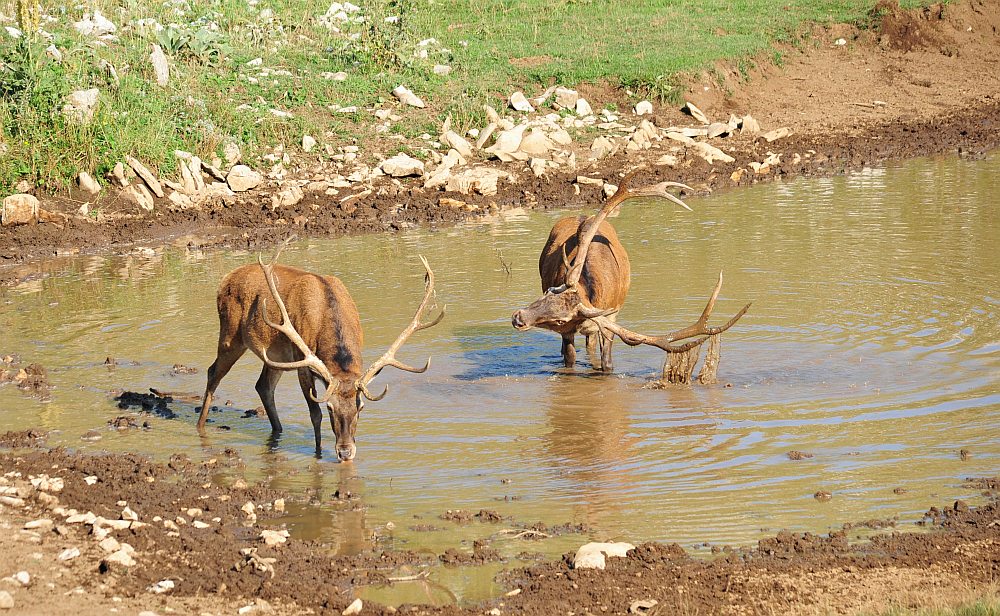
(195, 166)
(535, 144)
(583, 108)
(718, 129)
(287, 197)
(508, 141)
(480, 179)
(407, 97)
(840, 42)
(200, 524)
(22, 577)
(109, 544)
(90, 480)
(643, 108)
(519, 102)
(778, 133)
(69, 554)
(81, 105)
(35, 524)
(696, 113)
(231, 152)
(139, 196)
(353, 608)
(749, 124)
(96, 26)
(537, 166)
(274, 537)
(19, 209)
(160, 67)
(279, 505)
(566, 98)
(668, 160)
(146, 175)
(161, 587)
(338, 76)
(242, 178)
(53, 52)
(7, 601)
(442, 69)
(402, 165)
(602, 147)
(87, 183)
(560, 136)
(121, 557)
(592, 555)
(711, 153)
(308, 143)
(458, 142)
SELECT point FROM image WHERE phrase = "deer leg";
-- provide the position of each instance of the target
(606, 343)
(265, 389)
(307, 381)
(568, 350)
(216, 372)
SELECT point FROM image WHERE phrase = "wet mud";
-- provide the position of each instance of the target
(212, 539)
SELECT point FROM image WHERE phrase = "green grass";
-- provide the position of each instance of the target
(986, 606)
(494, 47)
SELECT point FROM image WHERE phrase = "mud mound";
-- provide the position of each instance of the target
(23, 438)
(909, 30)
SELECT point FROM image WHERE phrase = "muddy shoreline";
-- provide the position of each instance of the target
(203, 535)
(247, 222)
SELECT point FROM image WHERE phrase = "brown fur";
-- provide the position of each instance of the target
(322, 311)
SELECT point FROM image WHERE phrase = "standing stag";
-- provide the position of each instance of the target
(585, 277)
(319, 335)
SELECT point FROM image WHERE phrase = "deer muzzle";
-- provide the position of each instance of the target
(346, 452)
(519, 320)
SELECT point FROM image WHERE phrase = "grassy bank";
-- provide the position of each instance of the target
(260, 73)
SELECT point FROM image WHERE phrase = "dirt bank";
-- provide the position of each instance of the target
(914, 84)
(213, 547)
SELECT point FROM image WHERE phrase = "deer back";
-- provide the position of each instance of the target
(319, 307)
(606, 275)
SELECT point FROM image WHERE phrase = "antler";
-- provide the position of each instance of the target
(589, 227)
(698, 328)
(389, 357)
(311, 361)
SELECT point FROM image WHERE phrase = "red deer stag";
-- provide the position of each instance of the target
(585, 277)
(320, 336)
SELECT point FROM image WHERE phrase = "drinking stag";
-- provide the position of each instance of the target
(312, 327)
(585, 278)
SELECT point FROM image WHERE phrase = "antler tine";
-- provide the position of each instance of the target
(310, 360)
(389, 357)
(587, 231)
(698, 328)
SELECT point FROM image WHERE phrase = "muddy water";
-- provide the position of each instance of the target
(873, 344)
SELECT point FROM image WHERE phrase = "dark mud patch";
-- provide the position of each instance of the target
(482, 553)
(23, 438)
(153, 403)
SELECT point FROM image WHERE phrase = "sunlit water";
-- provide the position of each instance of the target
(873, 343)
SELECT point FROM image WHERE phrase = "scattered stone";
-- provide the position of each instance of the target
(508, 141)
(35, 524)
(560, 136)
(798, 455)
(161, 587)
(146, 175)
(242, 178)
(778, 133)
(609, 190)
(53, 52)
(407, 97)
(518, 102)
(583, 108)
(287, 197)
(535, 144)
(442, 69)
(537, 166)
(667, 160)
(480, 179)
(231, 152)
(566, 98)
(96, 26)
(643, 108)
(118, 559)
(749, 125)
(109, 544)
(308, 143)
(642, 606)
(822, 496)
(602, 147)
(695, 113)
(485, 135)
(279, 505)
(138, 195)
(454, 140)
(81, 105)
(118, 175)
(402, 165)
(22, 577)
(160, 68)
(711, 153)
(592, 555)
(353, 608)
(19, 209)
(718, 129)
(68, 554)
(274, 537)
(87, 183)
(338, 76)
(6, 600)
(964, 454)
